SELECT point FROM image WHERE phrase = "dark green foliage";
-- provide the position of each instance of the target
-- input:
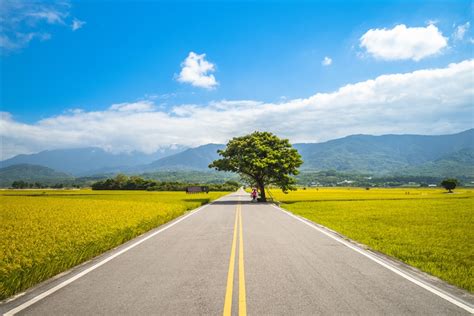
(20, 185)
(449, 184)
(37, 185)
(192, 176)
(263, 159)
(334, 178)
(122, 182)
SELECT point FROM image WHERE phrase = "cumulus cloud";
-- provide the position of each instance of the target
(23, 21)
(197, 71)
(460, 31)
(403, 42)
(430, 101)
(326, 61)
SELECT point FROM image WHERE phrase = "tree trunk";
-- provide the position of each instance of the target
(261, 187)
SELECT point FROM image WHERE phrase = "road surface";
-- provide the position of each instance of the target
(233, 257)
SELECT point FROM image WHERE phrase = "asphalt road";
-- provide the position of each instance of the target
(236, 257)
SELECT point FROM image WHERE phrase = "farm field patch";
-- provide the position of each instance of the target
(46, 232)
(425, 228)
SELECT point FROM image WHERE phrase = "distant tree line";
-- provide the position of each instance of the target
(335, 178)
(37, 185)
(123, 182)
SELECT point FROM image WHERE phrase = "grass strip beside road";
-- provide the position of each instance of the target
(427, 229)
(44, 233)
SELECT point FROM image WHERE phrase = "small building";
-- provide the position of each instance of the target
(346, 182)
(197, 189)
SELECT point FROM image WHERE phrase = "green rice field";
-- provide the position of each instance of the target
(47, 232)
(425, 228)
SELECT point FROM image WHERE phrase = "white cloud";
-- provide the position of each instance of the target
(326, 61)
(18, 41)
(403, 42)
(197, 71)
(50, 15)
(429, 101)
(23, 21)
(141, 106)
(460, 31)
(77, 24)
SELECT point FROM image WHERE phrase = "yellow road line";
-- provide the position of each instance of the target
(242, 296)
(230, 275)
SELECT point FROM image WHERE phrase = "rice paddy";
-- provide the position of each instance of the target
(425, 228)
(44, 233)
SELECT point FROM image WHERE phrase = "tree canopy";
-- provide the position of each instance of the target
(449, 184)
(123, 182)
(263, 159)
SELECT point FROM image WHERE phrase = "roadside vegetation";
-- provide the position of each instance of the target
(425, 228)
(46, 232)
(123, 182)
(261, 159)
(332, 178)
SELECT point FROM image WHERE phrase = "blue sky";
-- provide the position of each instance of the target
(266, 53)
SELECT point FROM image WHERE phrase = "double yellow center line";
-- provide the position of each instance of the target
(230, 275)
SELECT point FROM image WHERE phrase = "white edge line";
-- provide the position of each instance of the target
(95, 266)
(384, 264)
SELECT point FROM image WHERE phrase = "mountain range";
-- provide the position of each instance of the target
(442, 155)
(31, 174)
(387, 153)
(89, 160)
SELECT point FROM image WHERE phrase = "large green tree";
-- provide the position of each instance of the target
(449, 184)
(262, 158)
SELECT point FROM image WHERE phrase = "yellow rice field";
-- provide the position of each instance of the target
(46, 232)
(426, 228)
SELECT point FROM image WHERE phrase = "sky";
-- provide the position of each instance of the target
(142, 75)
